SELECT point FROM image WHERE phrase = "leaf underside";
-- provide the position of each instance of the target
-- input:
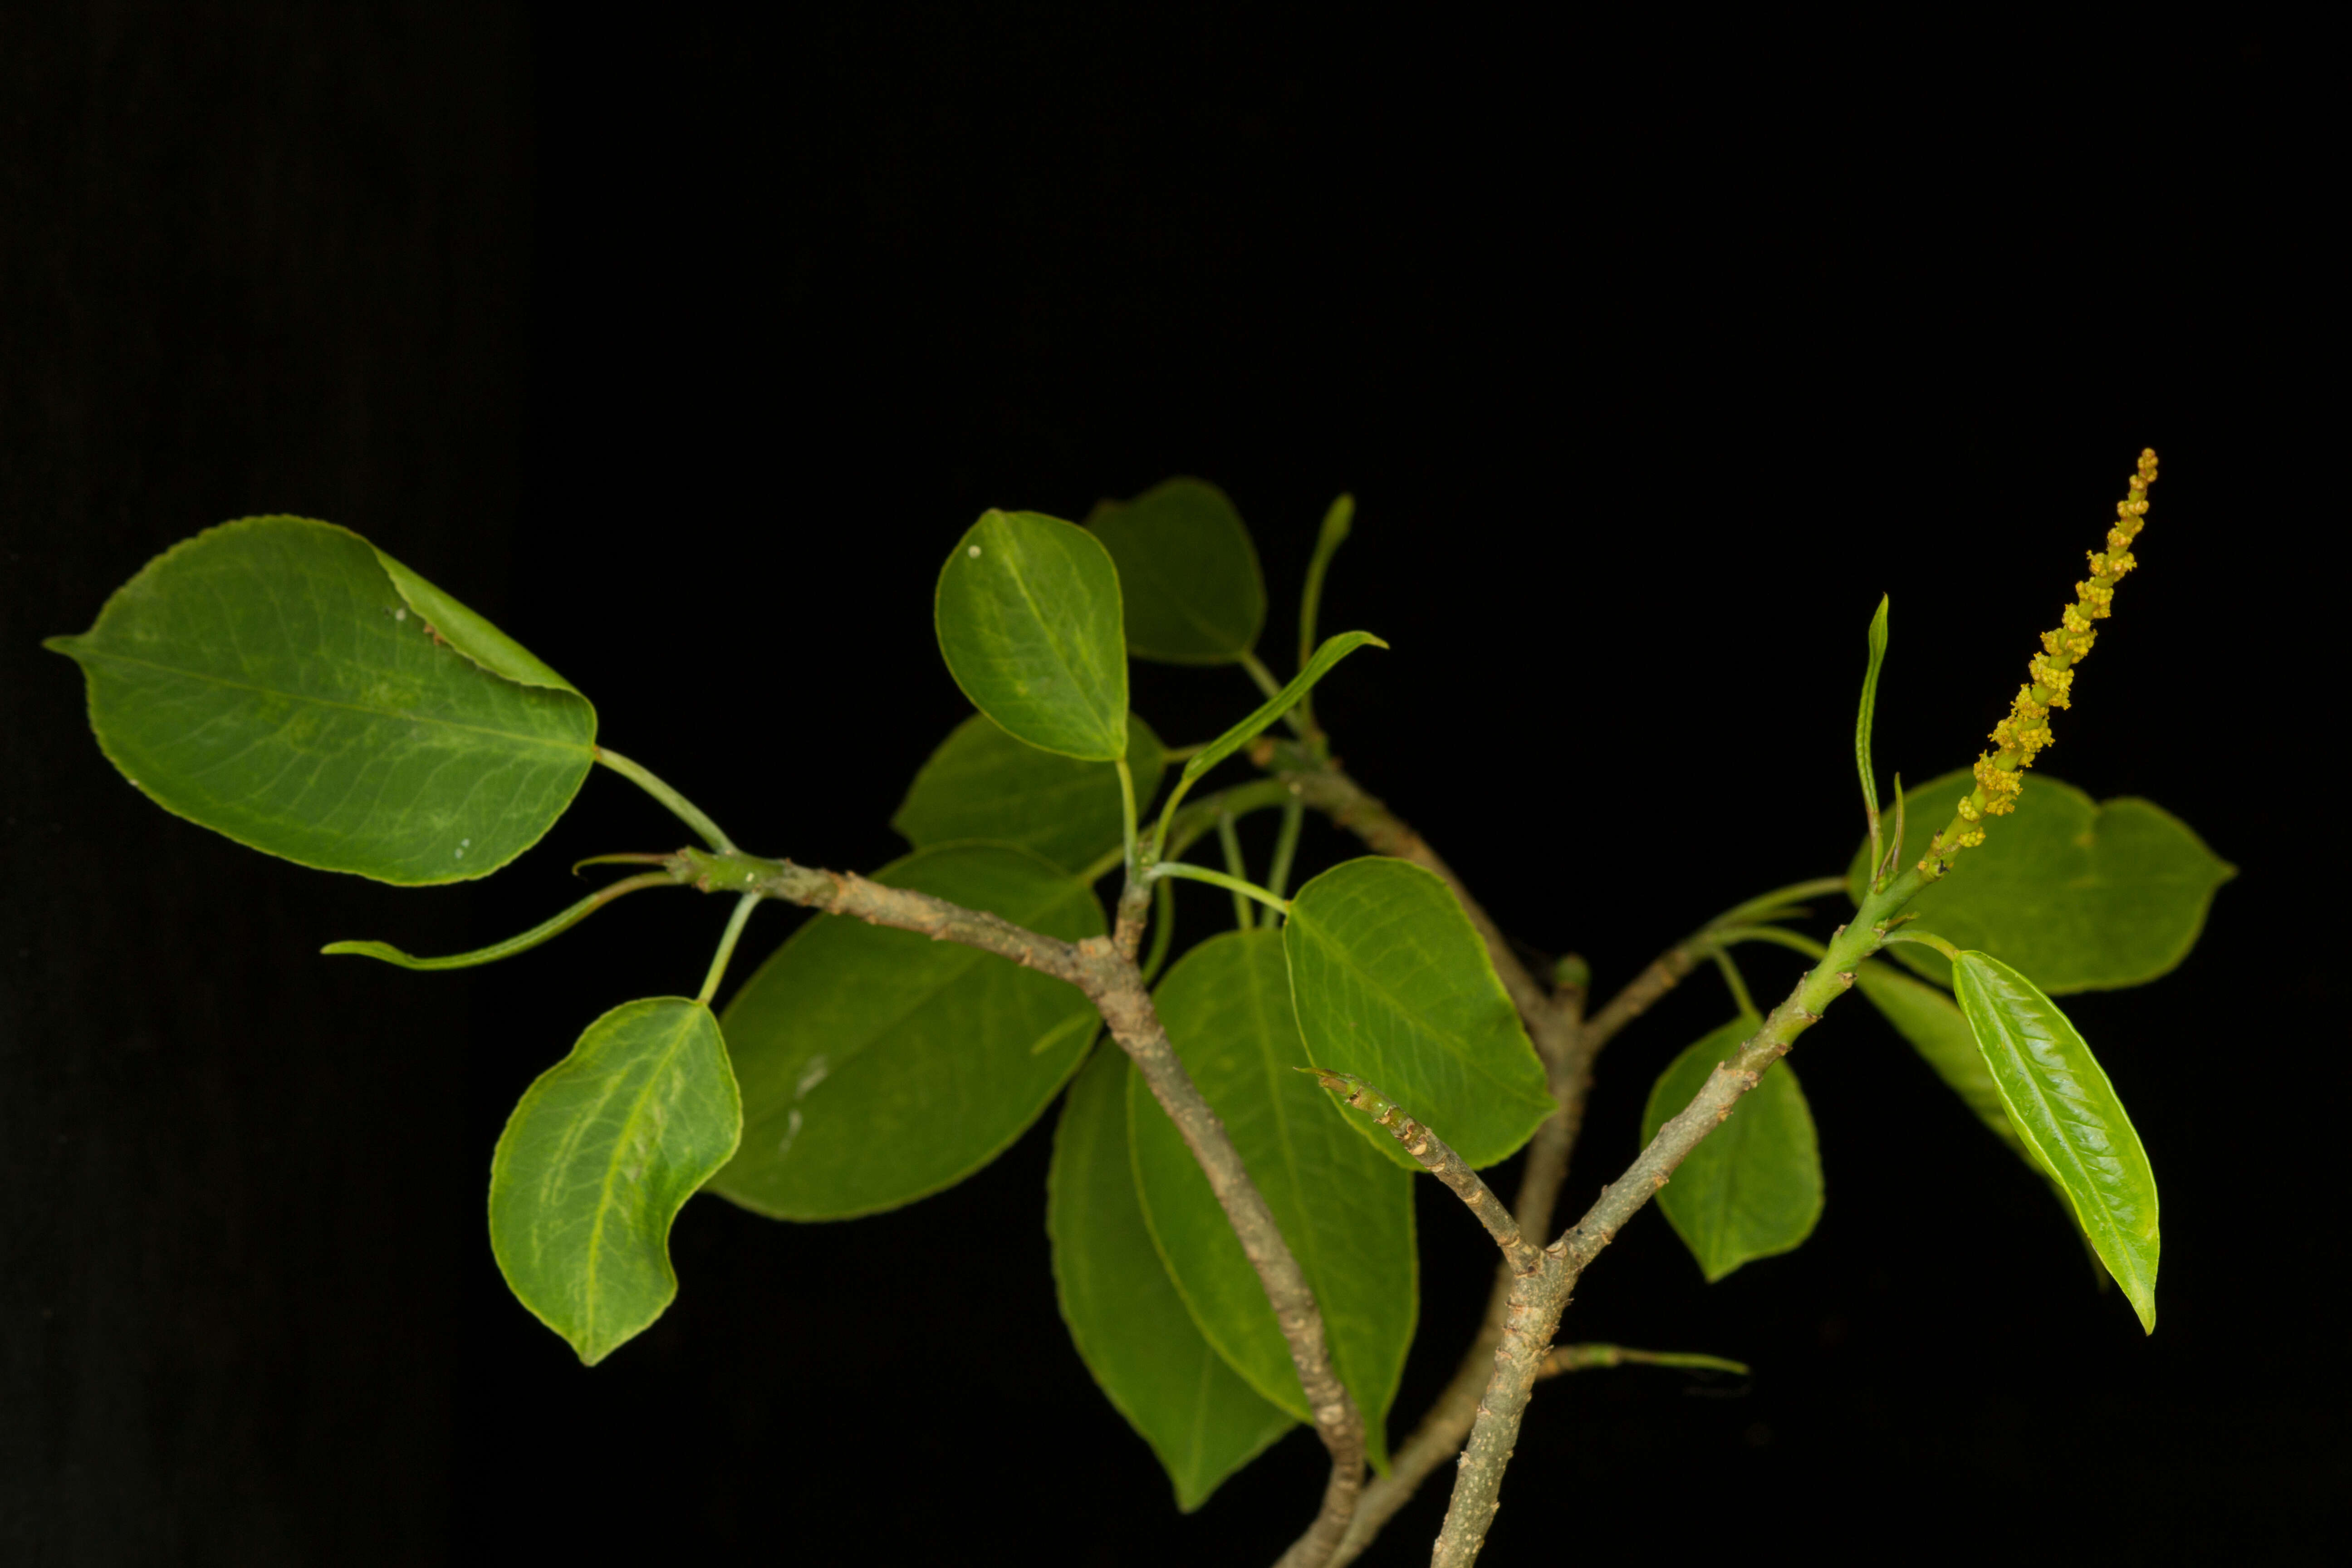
(1130, 1327)
(600, 1154)
(1753, 1187)
(879, 1067)
(1188, 571)
(269, 680)
(1346, 1213)
(1391, 983)
(983, 783)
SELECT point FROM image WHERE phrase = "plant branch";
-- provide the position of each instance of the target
(1538, 1298)
(1584, 1358)
(1109, 977)
(1438, 1158)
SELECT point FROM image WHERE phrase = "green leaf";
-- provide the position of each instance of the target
(1869, 709)
(1189, 573)
(879, 1067)
(983, 783)
(1392, 985)
(1931, 1020)
(1333, 650)
(1753, 1188)
(1130, 1325)
(2060, 1101)
(281, 681)
(1029, 622)
(2087, 896)
(600, 1154)
(1346, 1212)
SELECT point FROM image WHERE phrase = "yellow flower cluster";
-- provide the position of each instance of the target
(2020, 738)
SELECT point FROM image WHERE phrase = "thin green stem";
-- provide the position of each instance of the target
(1738, 987)
(1163, 929)
(1126, 815)
(1257, 671)
(1218, 879)
(1199, 819)
(1337, 522)
(1927, 939)
(524, 942)
(1778, 935)
(726, 948)
(685, 810)
(1285, 846)
(1273, 687)
(1766, 905)
(1231, 843)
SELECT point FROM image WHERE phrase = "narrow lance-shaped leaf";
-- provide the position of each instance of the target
(1346, 1213)
(1130, 1326)
(283, 682)
(1931, 1020)
(599, 1156)
(1391, 983)
(2084, 896)
(879, 1067)
(1029, 623)
(2061, 1102)
(1273, 708)
(983, 783)
(1188, 573)
(1863, 721)
(1753, 1188)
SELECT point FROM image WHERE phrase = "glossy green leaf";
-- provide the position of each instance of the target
(1753, 1188)
(2060, 1101)
(1029, 622)
(1931, 1020)
(879, 1067)
(983, 783)
(600, 1154)
(1189, 572)
(1391, 983)
(1346, 1212)
(2085, 896)
(1130, 1325)
(283, 682)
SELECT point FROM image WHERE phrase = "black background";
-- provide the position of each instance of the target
(683, 349)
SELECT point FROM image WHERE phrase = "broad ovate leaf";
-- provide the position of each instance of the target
(1391, 983)
(983, 783)
(1346, 1213)
(1130, 1327)
(1029, 622)
(283, 682)
(600, 1154)
(1753, 1187)
(2060, 1101)
(879, 1067)
(1194, 593)
(2083, 895)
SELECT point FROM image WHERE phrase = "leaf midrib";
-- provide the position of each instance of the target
(1077, 677)
(613, 1167)
(204, 675)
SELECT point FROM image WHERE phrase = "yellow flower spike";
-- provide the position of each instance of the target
(2021, 737)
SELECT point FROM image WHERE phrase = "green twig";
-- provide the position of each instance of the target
(685, 810)
(1219, 878)
(1231, 843)
(537, 934)
(726, 948)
